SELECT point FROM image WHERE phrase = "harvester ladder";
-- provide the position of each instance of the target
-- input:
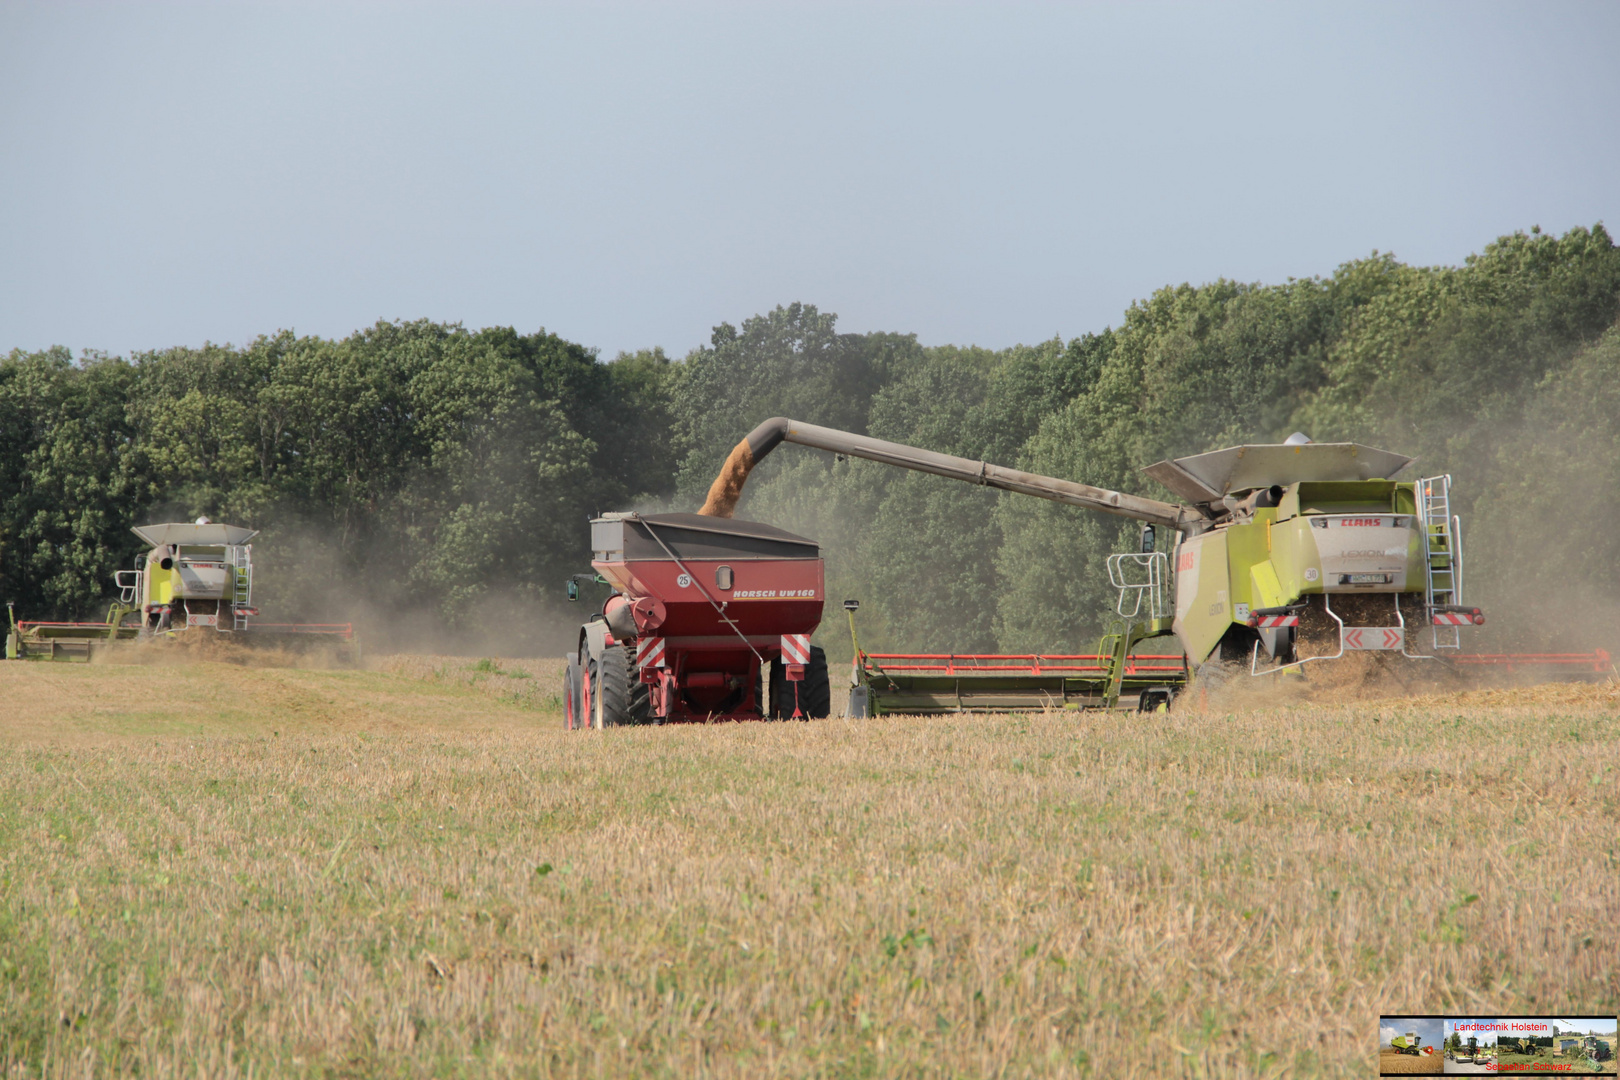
(241, 559)
(1143, 582)
(1442, 538)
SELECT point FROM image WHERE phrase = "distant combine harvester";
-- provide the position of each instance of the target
(194, 584)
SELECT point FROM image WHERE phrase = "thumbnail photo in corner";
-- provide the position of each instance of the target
(1410, 1045)
(1555, 1046)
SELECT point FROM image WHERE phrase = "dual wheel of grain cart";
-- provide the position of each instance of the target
(710, 619)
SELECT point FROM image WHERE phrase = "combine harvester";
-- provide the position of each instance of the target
(1282, 555)
(196, 579)
(1410, 1043)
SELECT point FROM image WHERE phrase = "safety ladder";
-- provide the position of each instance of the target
(1143, 584)
(1443, 564)
(241, 560)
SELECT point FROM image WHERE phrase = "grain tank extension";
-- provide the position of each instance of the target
(1296, 550)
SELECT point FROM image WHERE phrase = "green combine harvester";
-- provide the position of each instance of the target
(1279, 555)
(195, 579)
(1407, 1044)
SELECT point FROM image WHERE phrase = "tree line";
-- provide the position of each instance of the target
(424, 474)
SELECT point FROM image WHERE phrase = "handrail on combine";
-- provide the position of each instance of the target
(1141, 576)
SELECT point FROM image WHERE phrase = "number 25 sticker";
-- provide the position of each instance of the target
(684, 581)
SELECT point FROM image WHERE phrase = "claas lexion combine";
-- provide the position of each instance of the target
(1410, 1043)
(195, 578)
(1281, 555)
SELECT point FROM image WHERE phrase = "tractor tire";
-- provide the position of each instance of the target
(812, 696)
(624, 696)
(571, 689)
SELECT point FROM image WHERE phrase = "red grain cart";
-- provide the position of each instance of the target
(710, 619)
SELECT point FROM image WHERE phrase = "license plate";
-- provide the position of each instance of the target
(1366, 579)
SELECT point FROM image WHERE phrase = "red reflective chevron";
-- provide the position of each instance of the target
(795, 648)
(650, 652)
(1373, 637)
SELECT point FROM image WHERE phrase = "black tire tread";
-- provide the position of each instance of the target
(625, 698)
(571, 689)
(815, 701)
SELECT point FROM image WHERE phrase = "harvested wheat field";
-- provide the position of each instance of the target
(412, 870)
(1391, 1063)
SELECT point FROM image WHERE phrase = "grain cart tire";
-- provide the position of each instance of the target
(593, 699)
(640, 698)
(624, 696)
(814, 693)
(571, 688)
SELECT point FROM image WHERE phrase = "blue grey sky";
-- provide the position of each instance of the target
(630, 175)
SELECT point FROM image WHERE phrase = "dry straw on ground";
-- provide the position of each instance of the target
(217, 871)
(1389, 1062)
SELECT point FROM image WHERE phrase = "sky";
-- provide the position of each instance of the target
(1426, 1028)
(631, 175)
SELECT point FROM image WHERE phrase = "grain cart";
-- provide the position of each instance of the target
(1296, 551)
(196, 579)
(709, 619)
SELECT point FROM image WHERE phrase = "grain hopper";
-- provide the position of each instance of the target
(710, 619)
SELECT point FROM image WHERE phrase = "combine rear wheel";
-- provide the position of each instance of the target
(813, 695)
(623, 696)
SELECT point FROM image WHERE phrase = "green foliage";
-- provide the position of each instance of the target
(419, 466)
(408, 467)
(64, 446)
(790, 362)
